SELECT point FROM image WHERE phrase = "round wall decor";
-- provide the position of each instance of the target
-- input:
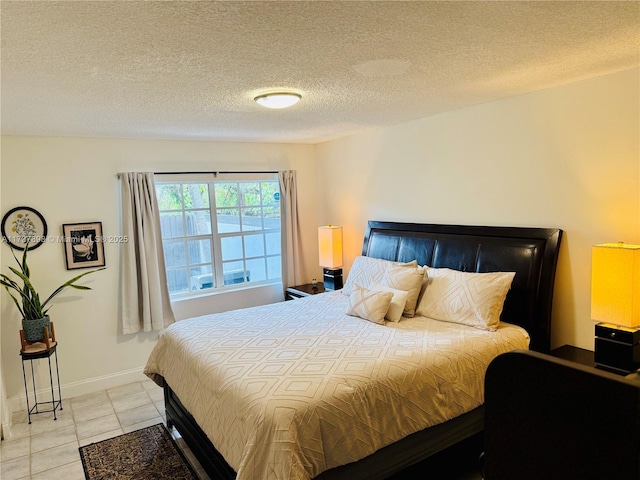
(22, 227)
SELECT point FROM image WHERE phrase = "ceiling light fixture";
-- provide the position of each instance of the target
(278, 99)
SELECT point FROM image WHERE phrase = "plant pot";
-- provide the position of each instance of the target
(34, 329)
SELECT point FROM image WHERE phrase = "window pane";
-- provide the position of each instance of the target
(251, 219)
(242, 211)
(198, 222)
(257, 269)
(274, 267)
(273, 243)
(233, 273)
(270, 193)
(196, 195)
(175, 254)
(169, 196)
(177, 281)
(202, 277)
(228, 220)
(250, 194)
(171, 225)
(199, 251)
(231, 248)
(227, 195)
(254, 246)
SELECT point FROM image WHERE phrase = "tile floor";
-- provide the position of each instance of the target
(48, 449)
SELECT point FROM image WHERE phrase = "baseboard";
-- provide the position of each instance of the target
(85, 387)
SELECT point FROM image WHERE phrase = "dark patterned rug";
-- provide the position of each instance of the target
(146, 454)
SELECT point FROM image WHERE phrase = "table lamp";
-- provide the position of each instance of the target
(330, 255)
(615, 305)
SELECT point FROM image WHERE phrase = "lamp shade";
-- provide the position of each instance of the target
(330, 246)
(615, 284)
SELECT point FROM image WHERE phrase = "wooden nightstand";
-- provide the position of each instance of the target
(574, 354)
(300, 291)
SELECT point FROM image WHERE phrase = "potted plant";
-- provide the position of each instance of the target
(34, 312)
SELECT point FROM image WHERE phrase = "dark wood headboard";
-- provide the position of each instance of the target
(532, 253)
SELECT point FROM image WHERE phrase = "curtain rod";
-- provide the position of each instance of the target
(209, 173)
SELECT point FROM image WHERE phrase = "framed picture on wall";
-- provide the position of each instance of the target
(83, 245)
(24, 227)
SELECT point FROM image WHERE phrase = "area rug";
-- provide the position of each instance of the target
(146, 454)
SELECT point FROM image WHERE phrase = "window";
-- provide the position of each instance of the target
(219, 234)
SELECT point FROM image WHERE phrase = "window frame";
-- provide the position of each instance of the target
(216, 237)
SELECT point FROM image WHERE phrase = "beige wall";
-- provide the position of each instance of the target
(74, 180)
(565, 157)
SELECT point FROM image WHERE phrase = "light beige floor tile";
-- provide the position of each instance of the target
(15, 469)
(100, 437)
(138, 414)
(87, 419)
(54, 438)
(20, 430)
(128, 389)
(149, 384)
(97, 426)
(146, 423)
(44, 422)
(90, 399)
(128, 402)
(156, 394)
(55, 457)
(14, 448)
(71, 471)
(91, 411)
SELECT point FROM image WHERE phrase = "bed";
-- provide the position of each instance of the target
(312, 443)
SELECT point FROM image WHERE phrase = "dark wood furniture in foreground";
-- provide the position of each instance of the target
(301, 291)
(554, 419)
(531, 253)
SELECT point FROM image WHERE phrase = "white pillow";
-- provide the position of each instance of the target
(474, 299)
(406, 279)
(398, 301)
(367, 270)
(369, 304)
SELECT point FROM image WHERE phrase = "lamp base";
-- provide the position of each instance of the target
(332, 278)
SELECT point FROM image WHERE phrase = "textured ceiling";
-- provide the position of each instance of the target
(190, 70)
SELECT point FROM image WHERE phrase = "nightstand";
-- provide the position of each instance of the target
(574, 354)
(617, 348)
(301, 291)
(587, 358)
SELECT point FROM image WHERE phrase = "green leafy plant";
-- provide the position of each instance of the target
(26, 297)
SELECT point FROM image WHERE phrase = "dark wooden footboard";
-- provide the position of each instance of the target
(378, 466)
(210, 459)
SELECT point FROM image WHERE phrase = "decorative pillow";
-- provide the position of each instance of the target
(398, 301)
(474, 299)
(369, 304)
(367, 270)
(406, 279)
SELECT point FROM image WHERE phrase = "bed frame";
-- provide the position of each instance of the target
(530, 252)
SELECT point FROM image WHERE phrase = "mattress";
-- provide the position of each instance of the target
(289, 390)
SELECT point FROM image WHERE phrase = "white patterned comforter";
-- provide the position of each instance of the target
(289, 390)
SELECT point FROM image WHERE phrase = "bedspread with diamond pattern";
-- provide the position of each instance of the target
(289, 390)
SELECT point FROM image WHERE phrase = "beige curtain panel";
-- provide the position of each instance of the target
(144, 294)
(291, 255)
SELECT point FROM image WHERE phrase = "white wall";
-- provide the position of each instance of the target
(565, 157)
(72, 180)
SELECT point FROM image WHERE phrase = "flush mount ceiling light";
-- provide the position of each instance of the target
(278, 99)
